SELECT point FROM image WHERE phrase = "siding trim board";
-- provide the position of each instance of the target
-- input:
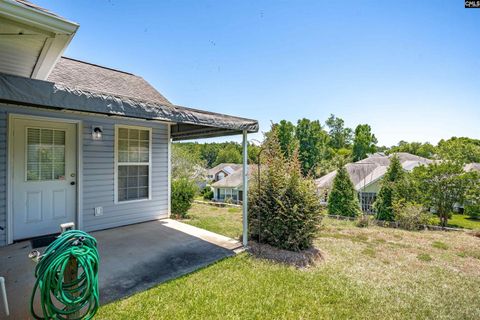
(95, 171)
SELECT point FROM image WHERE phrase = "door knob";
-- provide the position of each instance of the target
(72, 183)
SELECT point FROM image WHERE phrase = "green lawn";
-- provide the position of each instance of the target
(226, 221)
(463, 221)
(374, 273)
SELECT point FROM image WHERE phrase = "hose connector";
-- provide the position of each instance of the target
(35, 256)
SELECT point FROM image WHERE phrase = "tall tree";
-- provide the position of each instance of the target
(229, 154)
(343, 200)
(442, 185)
(284, 209)
(462, 149)
(312, 144)
(340, 137)
(364, 142)
(386, 196)
(285, 131)
(186, 164)
(425, 150)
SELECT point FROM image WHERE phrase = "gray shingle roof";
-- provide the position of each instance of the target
(187, 123)
(365, 171)
(78, 74)
(235, 179)
(222, 166)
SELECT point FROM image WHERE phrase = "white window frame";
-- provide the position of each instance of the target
(149, 163)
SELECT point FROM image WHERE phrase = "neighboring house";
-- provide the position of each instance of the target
(366, 175)
(230, 188)
(222, 170)
(82, 142)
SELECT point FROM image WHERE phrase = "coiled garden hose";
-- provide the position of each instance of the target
(61, 299)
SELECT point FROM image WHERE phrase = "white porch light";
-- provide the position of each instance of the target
(97, 133)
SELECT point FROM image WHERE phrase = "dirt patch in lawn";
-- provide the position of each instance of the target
(302, 259)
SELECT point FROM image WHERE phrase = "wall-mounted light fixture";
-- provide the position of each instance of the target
(97, 132)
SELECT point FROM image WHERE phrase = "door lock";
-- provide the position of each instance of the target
(72, 183)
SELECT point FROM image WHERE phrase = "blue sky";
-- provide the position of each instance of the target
(411, 69)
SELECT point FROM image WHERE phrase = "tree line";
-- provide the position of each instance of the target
(323, 147)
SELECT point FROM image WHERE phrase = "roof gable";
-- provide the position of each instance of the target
(77, 74)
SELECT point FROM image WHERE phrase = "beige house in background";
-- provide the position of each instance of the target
(222, 170)
(230, 188)
(366, 175)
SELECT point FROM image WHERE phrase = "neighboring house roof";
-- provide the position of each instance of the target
(474, 166)
(235, 180)
(229, 168)
(379, 172)
(364, 172)
(77, 74)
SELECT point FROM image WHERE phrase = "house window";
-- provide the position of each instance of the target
(45, 154)
(366, 201)
(221, 194)
(133, 163)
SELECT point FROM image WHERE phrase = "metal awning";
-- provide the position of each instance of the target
(188, 123)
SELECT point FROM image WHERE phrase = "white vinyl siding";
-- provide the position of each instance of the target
(98, 166)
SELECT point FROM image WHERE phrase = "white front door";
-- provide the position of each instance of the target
(44, 176)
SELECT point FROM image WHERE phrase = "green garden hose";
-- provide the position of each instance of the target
(77, 299)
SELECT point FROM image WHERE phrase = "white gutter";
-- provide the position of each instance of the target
(34, 17)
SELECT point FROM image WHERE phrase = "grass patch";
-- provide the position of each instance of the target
(234, 210)
(424, 257)
(215, 219)
(374, 272)
(369, 251)
(461, 221)
(439, 245)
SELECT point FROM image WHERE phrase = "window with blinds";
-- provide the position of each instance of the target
(45, 154)
(133, 163)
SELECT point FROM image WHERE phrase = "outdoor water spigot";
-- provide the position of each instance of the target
(35, 255)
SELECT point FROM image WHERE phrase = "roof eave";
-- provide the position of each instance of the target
(34, 17)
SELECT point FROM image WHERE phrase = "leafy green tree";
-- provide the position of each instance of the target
(343, 200)
(364, 142)
(463, 150)
(208, 153)
(425, 150)
(253, 153)
(186, 164)
(340, 137)
(183, 192)
(313, 141)
(472, 194)
(284, 209)
(285, 131)
(386, 196)
(229, 154)
(442, 185)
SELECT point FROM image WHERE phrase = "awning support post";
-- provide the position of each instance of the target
(245, 189)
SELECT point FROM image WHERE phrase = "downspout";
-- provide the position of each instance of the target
(245, 189)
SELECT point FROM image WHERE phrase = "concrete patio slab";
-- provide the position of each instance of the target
(132, 259)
